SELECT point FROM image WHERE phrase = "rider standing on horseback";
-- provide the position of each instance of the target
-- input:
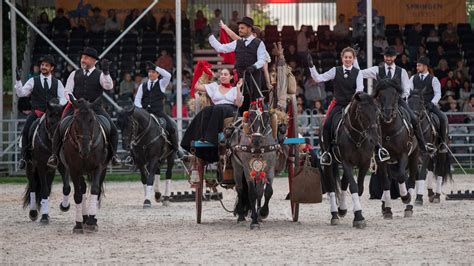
(250, 56)
(347, 80)
(41, 89)
(429, 87)
(88, 83)
(151, 96)
(390, 70)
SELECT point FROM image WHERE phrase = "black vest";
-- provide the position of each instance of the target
(246, 56)
(87, 87)
(419, 85)
(397, 76)
(153, 100)
(41, 96)
(344, 88)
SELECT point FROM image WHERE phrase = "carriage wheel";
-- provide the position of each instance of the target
(199, 190)
(293, 156)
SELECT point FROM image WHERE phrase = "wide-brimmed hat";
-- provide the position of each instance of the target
(247, 21)
(90, 52)
(424, 61)
(390, 51)
(48, 59)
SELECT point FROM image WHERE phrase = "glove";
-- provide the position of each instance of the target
(356, 47)
(150, 65)
(431, 106)
(309, 60)
(251, 69)
(18, 74)
(105, 66)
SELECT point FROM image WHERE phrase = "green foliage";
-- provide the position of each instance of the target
(261, 16)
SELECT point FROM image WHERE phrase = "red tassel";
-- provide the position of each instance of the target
(253, 173)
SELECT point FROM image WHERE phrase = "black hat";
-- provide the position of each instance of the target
(247, 21)
(424, 61)
(390, 51)
(150, 66)
(48, 59)
(90, 52)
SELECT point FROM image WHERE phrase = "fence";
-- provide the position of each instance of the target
(461, 136)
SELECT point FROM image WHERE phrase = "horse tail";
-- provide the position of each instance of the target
(443, 167)
(28, 190)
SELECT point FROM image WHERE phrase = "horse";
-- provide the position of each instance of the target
(356, 135)
(85, 151)
(40, 176)
(439, 165)
(398, 138)
(254, 156)
(145, 136)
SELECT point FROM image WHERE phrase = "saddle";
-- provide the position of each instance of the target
(434, 123)
(104, 123)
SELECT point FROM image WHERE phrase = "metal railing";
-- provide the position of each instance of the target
(461, 137)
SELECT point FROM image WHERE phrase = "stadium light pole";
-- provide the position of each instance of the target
(14, 57)
(369, 43)
(179, 70)
(1, 75)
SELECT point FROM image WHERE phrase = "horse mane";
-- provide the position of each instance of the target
(387, 83)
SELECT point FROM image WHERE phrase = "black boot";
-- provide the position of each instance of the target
(426, 148)
(56, 146)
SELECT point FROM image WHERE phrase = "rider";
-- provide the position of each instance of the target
(88, 83)
(347, 80)
(429, 87)
(41, 88)
(250, 56)
(390, 70)
(151, 96)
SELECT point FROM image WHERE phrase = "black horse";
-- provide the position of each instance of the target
(145, 136)
(355, 137)
(85, 152)
(398, 138)
(40, 176)
(438, 166)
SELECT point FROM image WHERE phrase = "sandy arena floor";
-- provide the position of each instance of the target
(441, 233)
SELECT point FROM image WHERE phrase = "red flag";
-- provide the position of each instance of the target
(228, 58)
(200, 68)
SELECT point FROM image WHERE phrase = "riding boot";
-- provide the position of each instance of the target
(25, 155)
(113, 145)
(326, 158)
(425, 147)
(174, 143)
(56, 147)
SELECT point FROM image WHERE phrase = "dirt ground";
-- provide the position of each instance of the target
(441, 233)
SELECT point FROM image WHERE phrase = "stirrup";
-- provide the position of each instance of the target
(128, 161)
(321, 161)
(53, 162)
(443, 148)
(383, 154)
(430, 148)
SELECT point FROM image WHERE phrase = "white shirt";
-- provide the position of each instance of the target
(230, 47)
(331, 74)
(217, 97)
(164, 82)
(105, 81)
(436, 87)
(25, 91)
(373, 73)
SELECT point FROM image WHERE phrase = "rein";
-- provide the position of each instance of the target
(139, 138)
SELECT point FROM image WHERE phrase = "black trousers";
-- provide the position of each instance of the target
(25, 141)
(414, 122)
(328, 126)
(250, 89)
(443, 121)
(171, 128)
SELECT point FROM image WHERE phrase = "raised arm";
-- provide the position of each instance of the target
(239, 99)
(166, 78)
(24, 91)
(229, 32)
(69, 89)
(222, 48)
(371, 72)
(138, 97)
(437, 90)
(326, 76)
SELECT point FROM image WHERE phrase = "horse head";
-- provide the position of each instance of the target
(364, 114)
(84, 123)
(53, 116)
(125, 123)
(387, 94)
(259, 121)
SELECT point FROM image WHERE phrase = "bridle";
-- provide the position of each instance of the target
(362, 133)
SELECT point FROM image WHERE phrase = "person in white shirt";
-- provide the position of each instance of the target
(250, 56)
(429, 87)
(41, 89)
(391, 71)
(209, 122)
(347, 80)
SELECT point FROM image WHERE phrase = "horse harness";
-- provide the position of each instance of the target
(97, 140)
(162, 133)
(36, 134)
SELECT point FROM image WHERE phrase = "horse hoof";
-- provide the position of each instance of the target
(341, 212)
(64, 209)
(78, 228)
(254, 226)
(241, 219)
(335, 221)
(431, 195)
(406, 199)
(44, 219)
(387, 213)
(146, 204)
(166, 201)
(419, 200)
(33, 215)
(408, 213)
(157, 196)
(91, 228)
(437, 198)
(359, 224)
(263, 213)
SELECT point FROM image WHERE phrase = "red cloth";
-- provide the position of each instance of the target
(201, 68)
(228, 58)
(39, 113)
(199, 24)
(331, 106)
(226, 85)
(68, 105)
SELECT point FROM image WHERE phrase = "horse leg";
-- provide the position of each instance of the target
(169, 174)
(328, 175)
(429, 180)
(96, 182)
(420, 180)
(143, 178)
(264, 211)
(414, 175)
(156, 185)
(439, 189)
(239, 187)
(30, 195)
(341, 196)
(152, 167)
(359, 220)
(64, 205)
(85, 215)
(386, 198)
(46, 180)
(78, 199)
(252, 190)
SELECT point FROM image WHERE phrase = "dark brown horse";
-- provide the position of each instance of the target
(85, 152)
(40, 176)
